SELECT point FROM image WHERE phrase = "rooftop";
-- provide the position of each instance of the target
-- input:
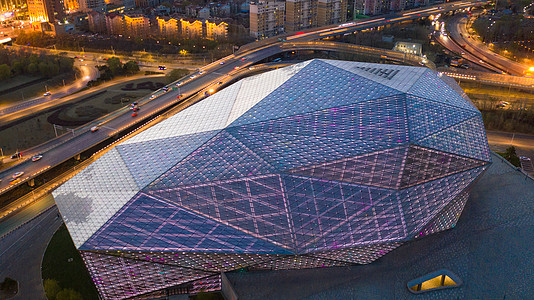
(491, 249)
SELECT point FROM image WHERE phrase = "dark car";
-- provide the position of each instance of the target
(162, 67)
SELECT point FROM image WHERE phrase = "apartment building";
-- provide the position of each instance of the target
(97, 22)
(88, 5)
(191, 28)
(46, 10)
(216, 31)
(300, 14)
(168, 27)
(136, 25)
(114, 24)
(71, 5)
(331, 12)
(267, 18)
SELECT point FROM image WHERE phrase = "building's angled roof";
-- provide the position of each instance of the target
(490, 249)
(320, 155)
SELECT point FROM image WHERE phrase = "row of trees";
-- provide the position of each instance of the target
(176, 74)
(13, 63)
(114, 67)
(76, 42)
(504, 28)
(55, 292)
(511, 156)
(509, 120)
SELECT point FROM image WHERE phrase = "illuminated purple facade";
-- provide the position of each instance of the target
(324, 163)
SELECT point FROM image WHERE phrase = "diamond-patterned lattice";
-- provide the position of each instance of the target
(147, 223)
(317, 86)
(120, 277)
(381, 168)
(325, 163)
(423, 164)
(427, 117)
(463, 139)
(448, 217)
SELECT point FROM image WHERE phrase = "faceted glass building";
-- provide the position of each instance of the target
(323, 163)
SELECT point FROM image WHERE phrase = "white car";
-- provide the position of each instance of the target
(47, 94)
(37, 157)
(94, 128)
(18, 174)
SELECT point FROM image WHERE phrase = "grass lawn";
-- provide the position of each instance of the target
(33, 90)
(63, 263)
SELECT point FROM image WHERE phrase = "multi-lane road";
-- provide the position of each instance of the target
(475, 50)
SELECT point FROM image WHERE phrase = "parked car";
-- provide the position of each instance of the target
(16, 155)
(162, 67)
(47, 94)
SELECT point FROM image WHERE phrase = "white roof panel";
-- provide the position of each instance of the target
(94, 195)
(401, 78)
(255, 88)
(208, 114)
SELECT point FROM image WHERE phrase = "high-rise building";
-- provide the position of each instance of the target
(88, 5)
(300, 14)
(136, 25)
(323, 163)
(331, 12)
(267, 18)
(46, 10)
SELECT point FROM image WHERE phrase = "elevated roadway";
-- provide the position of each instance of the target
(458, 31)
